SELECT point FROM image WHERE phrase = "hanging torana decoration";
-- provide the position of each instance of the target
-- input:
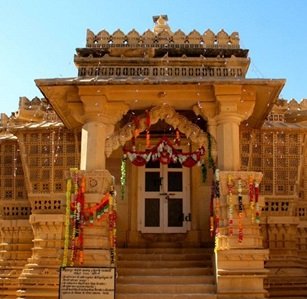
(166, 153)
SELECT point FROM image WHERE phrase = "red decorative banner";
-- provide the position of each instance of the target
(166, 153)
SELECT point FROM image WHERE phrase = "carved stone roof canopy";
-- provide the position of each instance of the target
(139, 70)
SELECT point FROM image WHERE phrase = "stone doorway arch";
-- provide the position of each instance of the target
(167, 113)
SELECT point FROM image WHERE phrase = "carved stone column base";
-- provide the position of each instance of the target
(240, 273)
(15, 250)
(287, 271)
(40, 277)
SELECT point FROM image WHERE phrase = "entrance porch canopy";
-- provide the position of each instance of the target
(75, 100)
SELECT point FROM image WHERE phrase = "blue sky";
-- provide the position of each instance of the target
(39, 37)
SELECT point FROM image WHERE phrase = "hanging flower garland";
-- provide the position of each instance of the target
(256, 202)
(112, 228)
(210, 164)
(165, 152)
(67, 221)
(230, 204)
(212, 209)
(217, 208)
(240, 204)
(123, 176)
(77, 220)
(251, 193)
(148, 124)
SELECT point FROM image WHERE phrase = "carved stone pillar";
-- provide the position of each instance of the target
(224, 116)
(239, 254)
(96, 236)
(99, 119)
(93, 146)
(16, 244)
(40, 277)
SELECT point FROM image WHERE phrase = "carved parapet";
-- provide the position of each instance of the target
(162, 36)
(35, 110)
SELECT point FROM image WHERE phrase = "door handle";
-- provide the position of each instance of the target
(167, 195)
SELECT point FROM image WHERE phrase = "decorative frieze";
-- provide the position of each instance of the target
(166, 71)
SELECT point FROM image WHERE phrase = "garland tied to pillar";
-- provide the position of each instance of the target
(78, 216)
(240, 207)
(216, 205)
(230, 185)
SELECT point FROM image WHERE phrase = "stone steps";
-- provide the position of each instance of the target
(165, 273)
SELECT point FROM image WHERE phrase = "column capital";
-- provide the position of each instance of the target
(96, 108)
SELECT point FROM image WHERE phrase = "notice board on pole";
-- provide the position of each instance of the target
(87, 282)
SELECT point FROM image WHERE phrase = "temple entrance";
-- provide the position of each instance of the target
(164, 198)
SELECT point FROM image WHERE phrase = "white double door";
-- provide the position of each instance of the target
(163, 198)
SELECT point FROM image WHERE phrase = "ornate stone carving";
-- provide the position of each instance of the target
(163, 36)
(222, 39)
(179, 37)
(98, 181)
(170, 116)
(133, 37)
(194, 37)
(209, 38)
(118, 37)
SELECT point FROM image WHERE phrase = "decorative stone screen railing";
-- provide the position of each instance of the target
(279, 206)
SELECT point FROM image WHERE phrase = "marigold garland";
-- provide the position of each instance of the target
(240, 204)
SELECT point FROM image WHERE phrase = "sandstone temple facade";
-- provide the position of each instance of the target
(192, 178)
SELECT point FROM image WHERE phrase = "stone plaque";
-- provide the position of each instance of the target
(86, 282)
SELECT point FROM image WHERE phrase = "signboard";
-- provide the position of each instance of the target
(86, 282)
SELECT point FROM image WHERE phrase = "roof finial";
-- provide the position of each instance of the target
(160, 24)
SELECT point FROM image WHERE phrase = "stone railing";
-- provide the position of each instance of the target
(164, 39)
(278, 206)
(15, 210)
